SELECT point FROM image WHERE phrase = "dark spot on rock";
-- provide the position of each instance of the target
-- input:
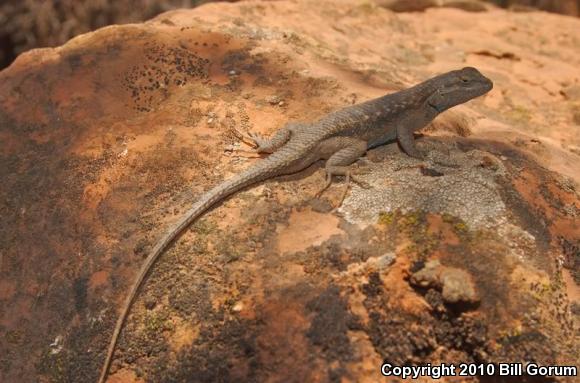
(140, 247)
(221, 354)
(430, 172)
(399, 338)
(417, 265)
(571, 252)
(80, 286)
(163, 64)
(320, 205)
(528, 346)
(150, 303)
(575, 309)
(374, 287)
(435, 300)
(330, 324)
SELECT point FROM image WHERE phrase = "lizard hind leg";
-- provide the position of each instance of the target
(345, 151)
(349, 175)
(262, 144)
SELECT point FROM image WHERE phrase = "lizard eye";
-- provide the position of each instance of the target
(464, 80)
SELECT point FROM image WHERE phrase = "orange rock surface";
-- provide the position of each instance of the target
(106, 140)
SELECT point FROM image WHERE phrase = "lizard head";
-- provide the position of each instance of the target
(456, 87)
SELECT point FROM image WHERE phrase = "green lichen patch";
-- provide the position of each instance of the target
(459, 226)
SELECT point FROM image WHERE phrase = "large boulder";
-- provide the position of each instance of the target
(108, 139)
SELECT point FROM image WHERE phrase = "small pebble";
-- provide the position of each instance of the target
(273, 100)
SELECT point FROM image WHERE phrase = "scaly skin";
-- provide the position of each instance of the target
(340, 138)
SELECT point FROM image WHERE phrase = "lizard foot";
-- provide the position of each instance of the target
(326, 185)
(349, 178)
(359, 182)
(440, 159)
(243, 153)
(250, 139)
(259, 143)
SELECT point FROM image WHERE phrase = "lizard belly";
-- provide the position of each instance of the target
(378, 141)
(302, 163)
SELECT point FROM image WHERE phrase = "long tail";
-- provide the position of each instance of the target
(262, 170)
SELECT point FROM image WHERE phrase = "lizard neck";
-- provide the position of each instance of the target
(417, 95)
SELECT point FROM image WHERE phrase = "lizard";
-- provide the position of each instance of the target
(341, 138)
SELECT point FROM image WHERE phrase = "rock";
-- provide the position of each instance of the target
(456, 285)
(521, 8)
(150, 304)
(571, 92)
(576, 113)
(385, 260)
(106, 142)
(566, 7)
(428, 276)
(465, 5)
(407, 5)
(274, 100)
(421, 5)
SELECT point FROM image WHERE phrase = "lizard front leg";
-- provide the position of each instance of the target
(340, 153)
(407, 141)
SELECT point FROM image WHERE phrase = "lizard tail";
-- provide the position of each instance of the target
(259, 172)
